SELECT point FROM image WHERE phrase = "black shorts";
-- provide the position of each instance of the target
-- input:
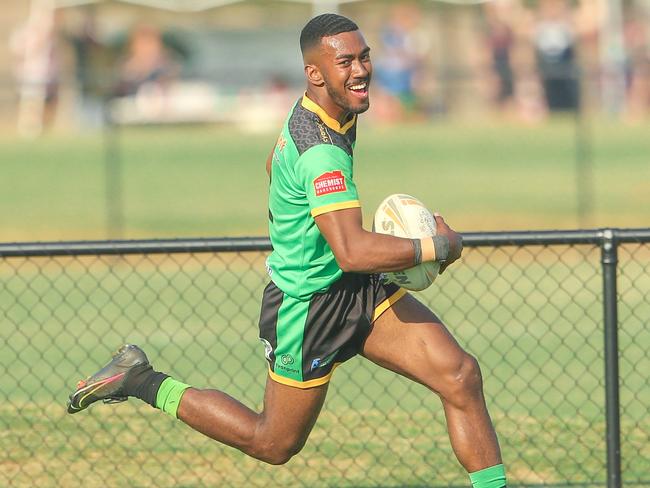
(306, 339)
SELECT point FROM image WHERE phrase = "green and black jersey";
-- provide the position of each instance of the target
(314, 316)
(311, 174)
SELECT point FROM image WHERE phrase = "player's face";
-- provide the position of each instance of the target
(346, 70)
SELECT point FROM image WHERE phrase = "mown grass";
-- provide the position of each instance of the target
(209, 181)
(128, 445)
(532, 316)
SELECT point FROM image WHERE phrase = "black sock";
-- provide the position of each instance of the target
(143, 382)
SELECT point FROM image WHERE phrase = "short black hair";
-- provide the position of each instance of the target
(324, 25)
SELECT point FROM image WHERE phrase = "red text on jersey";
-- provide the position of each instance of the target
(330, 182)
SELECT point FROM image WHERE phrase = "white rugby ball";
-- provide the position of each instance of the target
(405, 216)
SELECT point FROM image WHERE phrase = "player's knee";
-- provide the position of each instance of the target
(463, 380)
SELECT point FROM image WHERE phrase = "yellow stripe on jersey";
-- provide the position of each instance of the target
(332, 207)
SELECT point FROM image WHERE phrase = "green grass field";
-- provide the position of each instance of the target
(211, 182)
(532, 316)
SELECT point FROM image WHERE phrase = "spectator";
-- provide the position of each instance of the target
(37, 69)
(147, 61)
(396, 67)
(555, 50)
(637, 44)
(500, 39)
(91, 67)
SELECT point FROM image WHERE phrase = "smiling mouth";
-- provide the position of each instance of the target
(359, 89)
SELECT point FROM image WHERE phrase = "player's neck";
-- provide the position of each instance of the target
(324, 101)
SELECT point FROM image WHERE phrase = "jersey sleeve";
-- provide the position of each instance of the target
(325, 173)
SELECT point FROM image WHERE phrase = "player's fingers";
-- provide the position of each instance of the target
(439, 219)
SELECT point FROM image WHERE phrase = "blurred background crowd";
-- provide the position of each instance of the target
(81, 63)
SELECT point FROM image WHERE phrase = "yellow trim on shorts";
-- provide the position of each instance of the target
(389, 302)
(302, 384)
(335, 206)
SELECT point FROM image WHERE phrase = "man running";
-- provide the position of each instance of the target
(326, 301)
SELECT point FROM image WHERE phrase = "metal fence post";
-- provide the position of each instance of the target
(113, 176)
(609, 260)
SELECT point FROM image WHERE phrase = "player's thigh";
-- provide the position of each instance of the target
(409, 339)
(290, 413)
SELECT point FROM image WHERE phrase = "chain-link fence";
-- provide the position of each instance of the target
(533, 307)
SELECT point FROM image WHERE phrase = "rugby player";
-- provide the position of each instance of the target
(326, 301)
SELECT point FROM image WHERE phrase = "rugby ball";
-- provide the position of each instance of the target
(405, 216)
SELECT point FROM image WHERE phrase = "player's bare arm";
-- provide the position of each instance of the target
(357, 250)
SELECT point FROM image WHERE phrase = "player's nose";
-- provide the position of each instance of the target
(359, 70)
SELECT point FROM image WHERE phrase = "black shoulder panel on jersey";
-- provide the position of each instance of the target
(308, 130)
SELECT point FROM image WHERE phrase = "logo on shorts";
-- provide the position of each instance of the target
(287, 359)
(319, 363)
(330, 182)
(285, 363)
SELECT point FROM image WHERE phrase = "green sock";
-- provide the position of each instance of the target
(169, 396)
(492, 477)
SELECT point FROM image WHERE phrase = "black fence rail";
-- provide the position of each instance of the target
(560, 322)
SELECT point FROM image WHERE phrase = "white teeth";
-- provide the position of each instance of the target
(360, 86)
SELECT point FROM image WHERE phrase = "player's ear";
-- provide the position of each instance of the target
(313, 74)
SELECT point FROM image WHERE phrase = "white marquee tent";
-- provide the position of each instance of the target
(40, 24)
(201, 5)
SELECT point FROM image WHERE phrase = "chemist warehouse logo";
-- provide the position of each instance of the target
(330, 182)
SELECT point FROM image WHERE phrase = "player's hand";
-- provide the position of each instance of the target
(455, 241)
